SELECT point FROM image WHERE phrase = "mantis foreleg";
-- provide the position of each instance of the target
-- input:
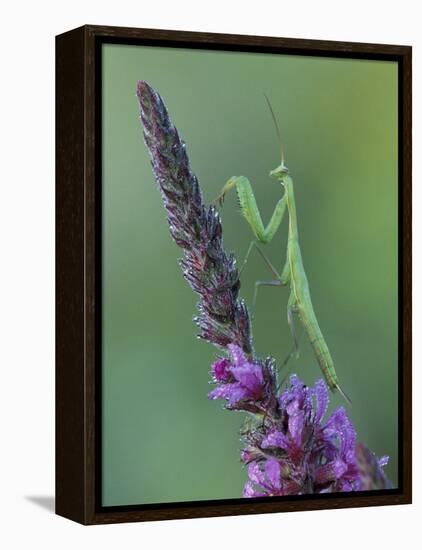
(250, 210)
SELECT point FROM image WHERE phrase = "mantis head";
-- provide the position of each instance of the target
(280, 172)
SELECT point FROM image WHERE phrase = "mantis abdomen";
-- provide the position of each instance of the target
(325, 361)
(302, 304)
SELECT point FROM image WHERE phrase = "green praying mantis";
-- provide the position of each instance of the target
(293, 273)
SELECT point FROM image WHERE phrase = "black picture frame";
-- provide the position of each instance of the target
(78, 276)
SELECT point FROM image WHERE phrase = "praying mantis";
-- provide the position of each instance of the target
(293, 273)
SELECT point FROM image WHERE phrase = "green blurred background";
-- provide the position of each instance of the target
(163, 441)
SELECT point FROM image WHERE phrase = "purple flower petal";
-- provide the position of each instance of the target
(221, 370)
(293, 406)
(330, 472)
(296, 424)
(250, 492)
(237, 393)
(346, 487)
(238, 357)
(296, 383)
(220, 392)
(273, 472)
(336, 419)
(255, 474)
(249, 376)
(276, 439)
(321, 397)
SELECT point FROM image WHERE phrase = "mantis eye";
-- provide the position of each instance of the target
(279, 172)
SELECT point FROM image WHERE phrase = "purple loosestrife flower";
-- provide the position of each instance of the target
(313, 456)
(245, 384)
(211, 272)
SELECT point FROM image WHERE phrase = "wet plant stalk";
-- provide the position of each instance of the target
(211, 272)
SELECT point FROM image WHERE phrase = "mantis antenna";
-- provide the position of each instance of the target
(277, 128)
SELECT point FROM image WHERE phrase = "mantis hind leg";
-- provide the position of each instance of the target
(279, 280)
(254, 244)
(259, 284)
(291, 309)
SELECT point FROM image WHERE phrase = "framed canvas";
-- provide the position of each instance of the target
(233, 274)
